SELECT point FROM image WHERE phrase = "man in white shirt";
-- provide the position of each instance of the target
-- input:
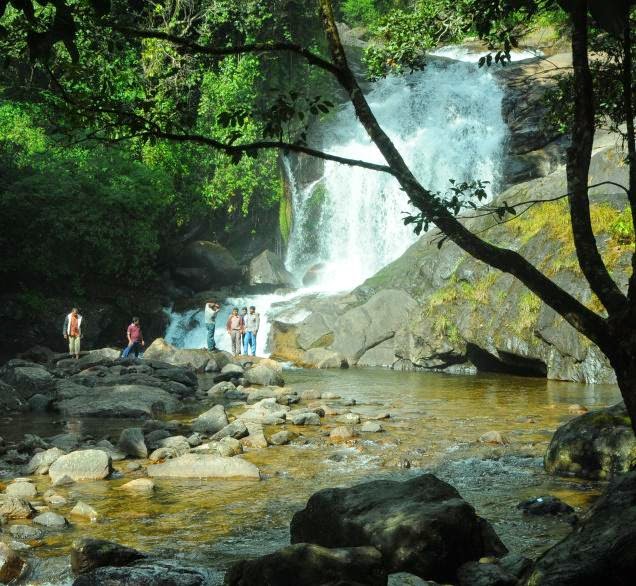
(251, 322)
(211, 310)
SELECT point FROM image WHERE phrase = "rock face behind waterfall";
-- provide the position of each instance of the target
(421, 526)
(440, 309)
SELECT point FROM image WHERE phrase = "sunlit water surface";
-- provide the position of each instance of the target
(434, 426)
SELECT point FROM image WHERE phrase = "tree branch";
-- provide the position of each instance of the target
(578, 166)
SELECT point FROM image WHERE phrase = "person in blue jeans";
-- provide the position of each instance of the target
(135, 339)
(211, 311)
(251, 323)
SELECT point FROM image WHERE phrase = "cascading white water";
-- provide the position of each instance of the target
(445, 121)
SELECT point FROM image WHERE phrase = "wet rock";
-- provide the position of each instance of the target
(142, 574)
(266, 412)
(66, 441)
(204, 466)
(545, 505)
(258, 394)
(211, 421)
(39, 403)
(50, 520)
(493, 437)
(371, 427)
(597, 445)
(105, 446)
(81, 509)
(228, 447)
(268, 269)
(51, 497)
(12, 566)
(234, 369)
(349, 418)
(221, 388)
(261, 374)
(310, 395)
(24, 490)
(237, 429)
(310, 565)
(132, 443)
(601, 549)
(154, 437)
(140, 485)
(178, 444)
(195, 439)
(9, 400)
(577, 409)
(282, 438)
(27, 378)
(130, 401)
(88, 554)
(485, 574)
(324, 358)
(81, 465)
(13, 507)
(25, 532)
(341, 434)
(410, 523)
(256, 437)
(64, 480)
(308, 418)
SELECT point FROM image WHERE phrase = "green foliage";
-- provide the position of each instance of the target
(360, 12)
(622, 228)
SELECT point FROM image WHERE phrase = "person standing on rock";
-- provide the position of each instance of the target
(243, 316)
(72, 331)
(211, 311)
(234, 327)
(251, 323)
(135, 339)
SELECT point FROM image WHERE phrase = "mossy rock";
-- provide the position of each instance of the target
(598, 445)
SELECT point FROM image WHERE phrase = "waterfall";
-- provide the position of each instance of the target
(445, 121)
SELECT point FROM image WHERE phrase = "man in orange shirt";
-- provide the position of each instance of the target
(73, 331)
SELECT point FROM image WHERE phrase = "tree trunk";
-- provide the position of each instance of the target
(624, 364)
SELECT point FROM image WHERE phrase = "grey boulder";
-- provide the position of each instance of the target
(82, 465)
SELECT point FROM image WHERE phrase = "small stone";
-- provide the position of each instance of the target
(63, 480)
(196, 439)
(25, 532)
(371, 427)
(50, 519)
(282, 437)
(493, 437)
(81, 509)
(545, 505)
(142, 485)
(341, 434)
(228, 447)
(350, 418)
(310, 395)
(577, 409)
(308, 418)
(328, 396)
(21, 489)
(56, 500)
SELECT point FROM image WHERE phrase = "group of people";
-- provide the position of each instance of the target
(242, 328)
(72, 332)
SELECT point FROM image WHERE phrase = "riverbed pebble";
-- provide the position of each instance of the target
(50, 519)
(25, 532)
(228, 447)
(13, 507)
(371, 427)
(350, 418)
(81, 509)
(141, 485)
(21, 489)
(341, 434)
(493, 437)
(281, 438)
(307, 418)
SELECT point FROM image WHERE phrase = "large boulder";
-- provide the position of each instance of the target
(13, 507)
(218, 264)
(596, 445)
(154, 573)
(211, 421)
(601, 550)
(204, 466)
(268, 269)
(132, 443)
(27, 378)
(133, 401)
(421, 526)
(310, 565)
(88, 553)
(82, 465)
(160, 350)
(261, 374)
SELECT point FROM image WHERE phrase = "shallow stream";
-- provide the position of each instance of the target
(435, 422)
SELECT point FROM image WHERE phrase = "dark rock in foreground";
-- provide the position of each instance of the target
(421, 526)
(88, 554)
(142, 574)
(310, 565)
(602, 550)
(597, 445)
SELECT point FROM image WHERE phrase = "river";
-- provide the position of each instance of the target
(434, 426)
